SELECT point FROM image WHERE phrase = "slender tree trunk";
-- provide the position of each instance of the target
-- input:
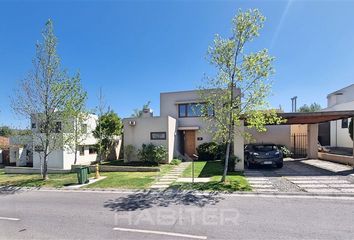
(76, 140)
(226, 162)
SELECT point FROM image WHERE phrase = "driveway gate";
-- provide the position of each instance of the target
(299, 145)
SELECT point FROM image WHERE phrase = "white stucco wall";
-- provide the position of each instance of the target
(140, 133)
(277, 134)
(340, 136)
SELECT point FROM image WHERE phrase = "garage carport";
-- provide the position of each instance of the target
(312, 119)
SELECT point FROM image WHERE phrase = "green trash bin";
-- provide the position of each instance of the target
(82, 174)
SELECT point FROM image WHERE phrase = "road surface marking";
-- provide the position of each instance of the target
(160, 233)
(9, 219)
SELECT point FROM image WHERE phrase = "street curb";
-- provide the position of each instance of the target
(12, 190)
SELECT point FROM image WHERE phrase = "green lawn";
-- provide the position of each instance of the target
(131, 180)
(235, 181)
(35, 180)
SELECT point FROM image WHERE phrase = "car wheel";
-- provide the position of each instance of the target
(280, 165)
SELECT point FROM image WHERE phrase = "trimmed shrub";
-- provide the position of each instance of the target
(152, 153)
(286, 152)
(208, 151)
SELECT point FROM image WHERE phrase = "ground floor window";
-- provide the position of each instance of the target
(92, 150)
(158, 135)
(82, 150)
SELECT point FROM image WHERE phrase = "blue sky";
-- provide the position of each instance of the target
(135, 50)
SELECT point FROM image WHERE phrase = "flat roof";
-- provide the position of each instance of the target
(315, 117)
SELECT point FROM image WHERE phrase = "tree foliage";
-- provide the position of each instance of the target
(314, 107)
(109, 126)
(47, 96)
(5, 131)
(240, 88)
(137, 113)
(351, 128)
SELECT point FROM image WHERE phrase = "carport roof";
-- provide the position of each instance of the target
(315, 117)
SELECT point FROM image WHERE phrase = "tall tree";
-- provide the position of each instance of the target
(109, 126)
(47, 96)
(137, 113)
(314, 107)
(241, 86)
(77, 110)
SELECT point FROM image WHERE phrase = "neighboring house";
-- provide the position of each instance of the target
(21, 151)
(4, 150)
(63, 158)
(339, 100)
(26, 150)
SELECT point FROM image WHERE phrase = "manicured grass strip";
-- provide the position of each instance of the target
(35, 180)
(235, 181)
(133, 180)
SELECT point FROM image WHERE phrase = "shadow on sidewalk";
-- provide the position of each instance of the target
(152, 198)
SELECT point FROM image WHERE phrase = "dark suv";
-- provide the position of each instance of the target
(263, 154)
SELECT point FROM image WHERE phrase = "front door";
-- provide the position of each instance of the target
(189, 143)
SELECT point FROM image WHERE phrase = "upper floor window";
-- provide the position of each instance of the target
(34, 125)
(345, 123)
(192, 110)
(82, 150)
(58, 127)
(84, 128)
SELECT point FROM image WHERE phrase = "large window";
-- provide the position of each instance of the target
(192, 110)
(158, 135)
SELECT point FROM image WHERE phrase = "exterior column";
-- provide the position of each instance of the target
(239, 147)
(312, 141)
(353, 136)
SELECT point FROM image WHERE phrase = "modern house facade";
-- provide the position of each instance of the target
(340, 100)
(180, 127)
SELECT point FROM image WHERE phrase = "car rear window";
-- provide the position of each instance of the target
(264, 148)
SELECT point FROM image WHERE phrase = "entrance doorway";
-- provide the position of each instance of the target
(189, 143)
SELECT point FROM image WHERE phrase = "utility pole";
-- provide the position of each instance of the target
(293, 104)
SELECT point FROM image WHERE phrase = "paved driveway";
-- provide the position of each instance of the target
(303, 175)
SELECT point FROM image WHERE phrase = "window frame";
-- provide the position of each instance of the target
(82, 150)
(163, 138)
(189, 107)
(345, 123)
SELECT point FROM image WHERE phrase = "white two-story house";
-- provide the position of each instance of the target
(339, 100)
(27, 150)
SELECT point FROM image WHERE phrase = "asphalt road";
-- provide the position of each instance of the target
(102, 215)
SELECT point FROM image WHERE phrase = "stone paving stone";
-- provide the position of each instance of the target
(267, 190)
(333, 181)
(262, 186)
(341, 185)
(322, 190)
(347, 190)
(257, 178)
(313, 185)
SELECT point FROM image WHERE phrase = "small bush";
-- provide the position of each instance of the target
(286, 152)
(208, 151)
(232, 162)
(152, 153)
